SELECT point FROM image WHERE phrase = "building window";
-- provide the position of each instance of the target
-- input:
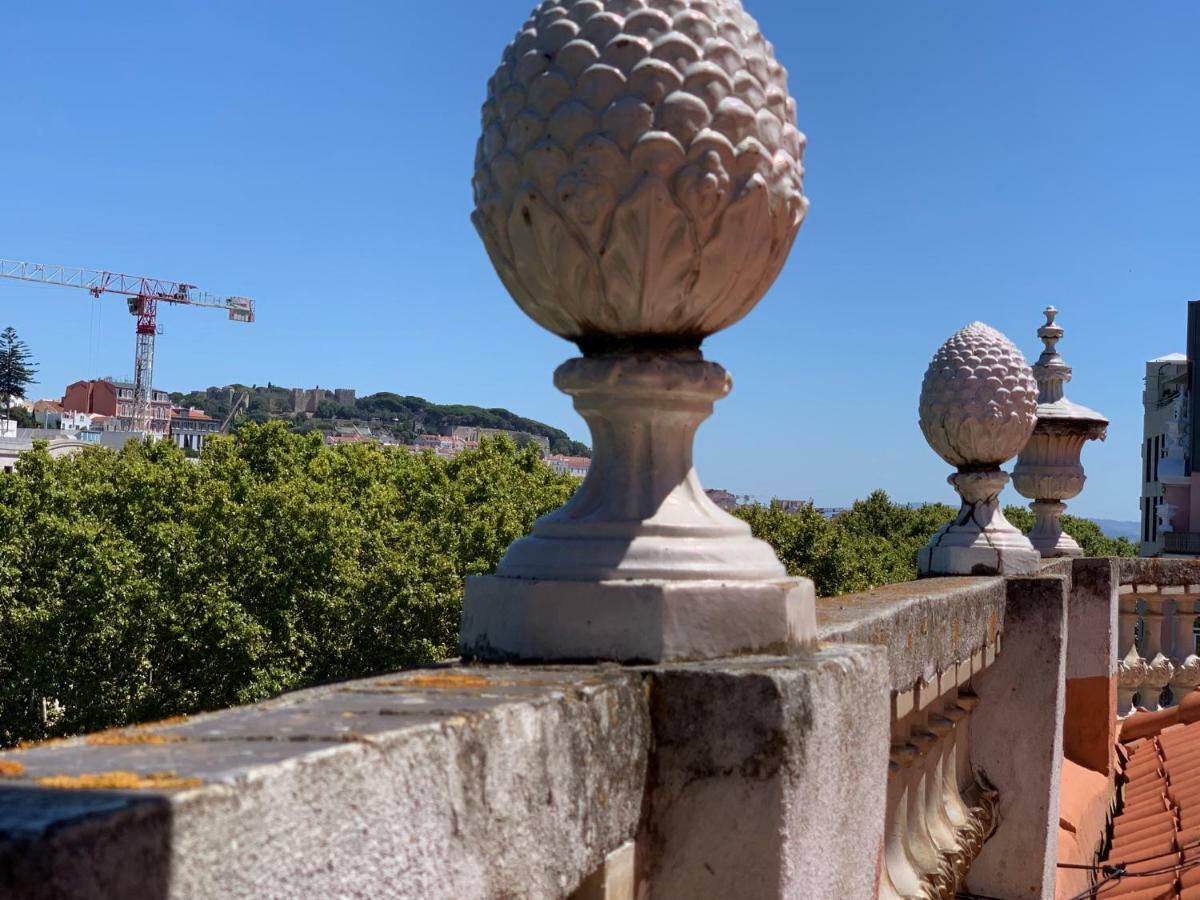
(1146, 455)
(1145, 520)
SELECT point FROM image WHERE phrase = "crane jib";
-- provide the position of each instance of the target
(143, 296)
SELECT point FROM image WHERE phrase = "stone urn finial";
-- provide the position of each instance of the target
(978, 409)
(638, 187)
(1048, 470)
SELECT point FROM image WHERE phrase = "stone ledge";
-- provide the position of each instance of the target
(443, 780)
(1159, 572)
(926, 626)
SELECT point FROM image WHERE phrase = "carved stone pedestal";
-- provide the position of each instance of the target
(1047, 534)
(639, 565)
(980, 541)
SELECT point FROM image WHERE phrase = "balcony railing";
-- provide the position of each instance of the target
(1157, 632)
(1181, 542)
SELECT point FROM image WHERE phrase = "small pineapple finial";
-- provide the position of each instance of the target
(1051, 370)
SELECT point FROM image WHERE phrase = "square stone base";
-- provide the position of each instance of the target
(511, 619)
(980, 559)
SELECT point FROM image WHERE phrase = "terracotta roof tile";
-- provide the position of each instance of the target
(1146, 724)
(1156, 834)
(1140, 889)
(1161, 845)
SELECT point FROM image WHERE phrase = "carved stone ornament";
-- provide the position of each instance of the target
(978, 409)
(638, 186)
(639, 175)
(1048, 471)
(1186, 677)
(1159, 672)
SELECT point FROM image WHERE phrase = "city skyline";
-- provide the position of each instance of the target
(1005, 166)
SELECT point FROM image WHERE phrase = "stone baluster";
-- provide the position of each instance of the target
(1158, 666)
(933, 833)
(921, 844)
(1131, 667)
(1186, 677)
(937, 803)
(903, 875)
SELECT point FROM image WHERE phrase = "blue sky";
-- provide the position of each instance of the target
(966, 161)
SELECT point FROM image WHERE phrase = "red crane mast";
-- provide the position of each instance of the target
(142, 296)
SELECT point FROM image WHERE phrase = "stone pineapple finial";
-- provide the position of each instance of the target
(638, 186)
(978, 408)
(613, 127)
(1048, 470)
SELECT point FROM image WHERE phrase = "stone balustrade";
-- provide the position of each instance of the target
(913, 753)
(939, 809)
(1156, 633)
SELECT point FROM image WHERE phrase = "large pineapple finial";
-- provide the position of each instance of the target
(619, 126)
(638, 187)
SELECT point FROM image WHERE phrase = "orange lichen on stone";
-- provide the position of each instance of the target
(169, 720)
(126, 738)
(48, 742)
(447, 680)
(10, 768)
(118, 781)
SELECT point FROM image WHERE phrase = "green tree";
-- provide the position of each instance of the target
(138, 584)
(16, 368)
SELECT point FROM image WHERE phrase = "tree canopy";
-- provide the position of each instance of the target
(876, 541)
(140, 584)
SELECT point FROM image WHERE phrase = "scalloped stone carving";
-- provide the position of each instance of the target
(978, 399)
(1186, 677)
(639, 174)
(1132, 672)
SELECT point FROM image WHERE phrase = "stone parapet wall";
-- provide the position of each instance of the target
(434, 783)
(928, 627)
(886, 754)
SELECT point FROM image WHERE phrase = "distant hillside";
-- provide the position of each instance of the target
(400, 416)
(1115, 528)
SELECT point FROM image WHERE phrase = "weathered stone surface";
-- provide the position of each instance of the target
(1090, 716)
(926, 626)
(1159, 572)
(768, 778)
(510, 619)
(448, 782)
(1016, 740)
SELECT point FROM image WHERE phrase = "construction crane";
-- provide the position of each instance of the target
(142, 296)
